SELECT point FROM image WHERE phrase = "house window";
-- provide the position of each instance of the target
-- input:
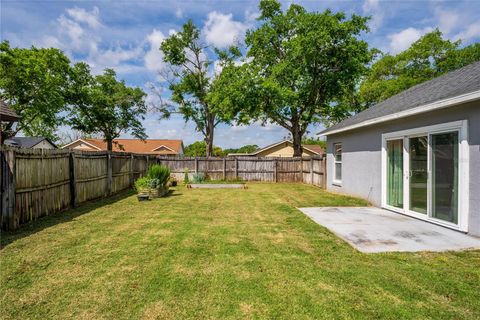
(337, 153)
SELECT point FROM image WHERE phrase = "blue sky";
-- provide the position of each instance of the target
(126, 35)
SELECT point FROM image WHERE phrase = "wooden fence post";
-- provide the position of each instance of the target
(109, 173)
(132, 177)
(311, 170)
(236, 168)
(275, 170)
(224, 169)
(73, 180)
(196, 165)
(301, 170)
(8, 192)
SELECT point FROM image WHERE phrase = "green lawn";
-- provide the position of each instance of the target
(223, 254)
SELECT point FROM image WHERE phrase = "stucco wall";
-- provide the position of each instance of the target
(361, 155)
(44, 145)
(78, 145)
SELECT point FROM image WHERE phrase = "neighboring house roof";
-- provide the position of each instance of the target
(313, 148)
(152, 146)
(453, 88)
(6, 113)
(310, 147)
(27, 142)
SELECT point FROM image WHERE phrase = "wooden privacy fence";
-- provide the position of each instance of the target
(309, 170)
(36, 182)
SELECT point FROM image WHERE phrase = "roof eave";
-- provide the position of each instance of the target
(445, 103)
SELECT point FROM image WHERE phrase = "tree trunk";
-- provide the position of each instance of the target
(297, 141)
(209, 130)
(109, 144)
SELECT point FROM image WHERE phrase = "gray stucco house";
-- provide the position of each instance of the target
(416, 153)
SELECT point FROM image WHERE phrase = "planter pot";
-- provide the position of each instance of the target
(152, 193)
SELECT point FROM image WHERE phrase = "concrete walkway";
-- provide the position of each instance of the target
(371, 229)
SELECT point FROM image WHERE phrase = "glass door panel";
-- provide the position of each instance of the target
(395, 173)
(418, 175)
(445, 176)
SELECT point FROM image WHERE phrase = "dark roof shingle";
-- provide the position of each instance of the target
(26, 142)
(6, 113)
(462, 81)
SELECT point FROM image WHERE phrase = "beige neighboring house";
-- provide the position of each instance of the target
(30, 143)
(149, 146)
(282, 149)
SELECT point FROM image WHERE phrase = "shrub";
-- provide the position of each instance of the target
(186, 180)
(158, 175)
(142, 183)
(198, 178)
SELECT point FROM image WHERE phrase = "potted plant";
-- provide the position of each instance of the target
(154, 184)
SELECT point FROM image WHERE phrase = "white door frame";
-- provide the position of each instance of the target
(463, 171)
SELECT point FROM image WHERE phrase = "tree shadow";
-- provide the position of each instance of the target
(7, 237)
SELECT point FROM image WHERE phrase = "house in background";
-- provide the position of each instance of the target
(416, 153)
(149, 146)
(282, 149)
(30, 143)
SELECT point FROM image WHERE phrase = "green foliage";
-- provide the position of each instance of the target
(299, 66)
(199, 178)
(198, 149)
(104, 105)
(427, 58)
(142, 183)
(314, 141)
(34, 83)
(245, 149)
(190, 81)
(186, 180)
(159, 175)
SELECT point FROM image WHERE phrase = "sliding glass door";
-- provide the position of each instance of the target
(418, 175)
(422, 175)
(395, 173)
(445, 176)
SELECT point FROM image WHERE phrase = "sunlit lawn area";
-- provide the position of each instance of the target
(224, 253)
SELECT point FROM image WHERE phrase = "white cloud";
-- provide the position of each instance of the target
(471, 32)
(179, 13)
(447, 20)
(79, 35)
(373, 9)
(92, 18)
(154, 57)
(222, 31)
(400, 41)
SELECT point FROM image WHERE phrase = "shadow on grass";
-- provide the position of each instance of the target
(7, 237)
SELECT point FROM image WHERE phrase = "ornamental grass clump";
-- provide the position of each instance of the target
(158, 175)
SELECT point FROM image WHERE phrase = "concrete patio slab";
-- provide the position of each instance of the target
(370, 229)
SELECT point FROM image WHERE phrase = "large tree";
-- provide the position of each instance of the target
(299, 64)
(427, 58)
(190, 80)
(34, 83)
(104, 105)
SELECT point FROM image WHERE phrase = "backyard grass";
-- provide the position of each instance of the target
(224, 254)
